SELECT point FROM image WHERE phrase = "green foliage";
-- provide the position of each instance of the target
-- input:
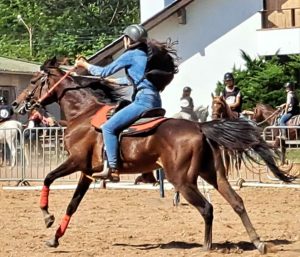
(63, 27)
(262, 79)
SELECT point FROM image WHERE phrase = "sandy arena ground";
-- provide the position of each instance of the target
(132, 223)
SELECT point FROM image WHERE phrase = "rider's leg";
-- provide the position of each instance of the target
(282, 122)
(111, 129)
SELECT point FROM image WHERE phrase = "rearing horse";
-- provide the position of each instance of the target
(183, 148)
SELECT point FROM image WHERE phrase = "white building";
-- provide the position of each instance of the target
(211, 34)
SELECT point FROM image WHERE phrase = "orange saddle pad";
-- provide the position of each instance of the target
(141, 125)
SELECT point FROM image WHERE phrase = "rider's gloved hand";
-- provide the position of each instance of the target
(81, 62)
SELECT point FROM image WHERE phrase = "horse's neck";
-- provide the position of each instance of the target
(267, 115)
(75, 103)
(228, 112)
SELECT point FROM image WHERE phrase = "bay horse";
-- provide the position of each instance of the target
(184, 149)
(265, 114)
(221, 110)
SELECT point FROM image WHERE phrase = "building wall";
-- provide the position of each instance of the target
(209, 45)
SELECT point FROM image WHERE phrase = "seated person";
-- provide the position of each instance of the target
(6, 110)
(187, 105)
(291, 106)
(232, 94)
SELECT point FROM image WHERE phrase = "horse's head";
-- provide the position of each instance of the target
(40, 89)
(220, 109)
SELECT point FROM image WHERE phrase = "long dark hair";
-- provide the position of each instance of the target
(162, 63)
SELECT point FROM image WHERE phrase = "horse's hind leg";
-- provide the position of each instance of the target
(236, 202)
(82, 187)
(192, 194)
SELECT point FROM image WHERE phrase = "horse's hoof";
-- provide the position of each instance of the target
(262, 247)
(176, 199)
(49, 220)
(52, 242)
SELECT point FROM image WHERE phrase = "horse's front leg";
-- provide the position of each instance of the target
(82, 187)
(66, 168)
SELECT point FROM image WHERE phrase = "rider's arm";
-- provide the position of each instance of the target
(237, 101)
(122, 62)
(120, 81)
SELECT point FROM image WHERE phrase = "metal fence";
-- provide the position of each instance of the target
(29, 155)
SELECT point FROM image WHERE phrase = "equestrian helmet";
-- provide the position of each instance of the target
(136, 33)
(187, 89)
(289, 85)
(2, 100)
(228, 76)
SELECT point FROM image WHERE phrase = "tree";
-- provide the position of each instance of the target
(63, 27)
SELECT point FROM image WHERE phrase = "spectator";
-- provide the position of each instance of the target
(6, 110)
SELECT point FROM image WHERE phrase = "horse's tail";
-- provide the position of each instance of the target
(242, 135)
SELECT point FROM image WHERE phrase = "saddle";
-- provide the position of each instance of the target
(147, 121)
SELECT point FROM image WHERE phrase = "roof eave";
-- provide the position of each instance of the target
(117, 45)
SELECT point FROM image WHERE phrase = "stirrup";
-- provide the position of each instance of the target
(107, 173)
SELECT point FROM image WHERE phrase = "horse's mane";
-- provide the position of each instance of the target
(99, 88)
(265, 107)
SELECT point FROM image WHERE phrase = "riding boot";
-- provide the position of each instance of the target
(283, 133)
(114, 175)
(108, 172)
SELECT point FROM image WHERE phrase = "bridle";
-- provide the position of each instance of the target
(215, 113)
(44, 81)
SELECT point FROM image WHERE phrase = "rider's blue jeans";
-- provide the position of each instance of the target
(283, 120)
(145, 99)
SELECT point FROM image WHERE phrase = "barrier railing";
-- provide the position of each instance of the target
(40, 150)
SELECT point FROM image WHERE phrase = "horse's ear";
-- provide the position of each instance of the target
(212, 95)
(54, 62)
(50, 63)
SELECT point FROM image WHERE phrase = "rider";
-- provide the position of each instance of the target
(187, 104)
(134, 61)
(232, 94)
(291, 106)
(6, 110)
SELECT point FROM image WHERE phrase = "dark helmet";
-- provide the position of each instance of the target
(289, 85)
(2, 100)
(187, 89)
(228, 76)
(136, 33)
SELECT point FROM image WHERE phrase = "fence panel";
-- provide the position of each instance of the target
(11, 154)
(43, 151)
(31, 154)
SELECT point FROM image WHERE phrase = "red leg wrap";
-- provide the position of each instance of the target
(63, 226)
(44, 197)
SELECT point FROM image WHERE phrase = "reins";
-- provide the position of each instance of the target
(56, 84)
(273, 114)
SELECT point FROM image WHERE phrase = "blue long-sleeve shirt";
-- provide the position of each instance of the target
(134, 62)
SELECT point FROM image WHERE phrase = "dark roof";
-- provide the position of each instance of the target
(108, 51)
(9, 65)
